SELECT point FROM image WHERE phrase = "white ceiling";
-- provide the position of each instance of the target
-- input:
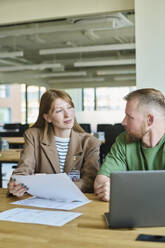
(72, 52)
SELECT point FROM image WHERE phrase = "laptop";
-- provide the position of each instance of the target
(137, 199)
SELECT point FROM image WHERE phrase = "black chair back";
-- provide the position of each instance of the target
(13, 130)
(12, 126)
(111, 132)
(86, 127)
(23, 128)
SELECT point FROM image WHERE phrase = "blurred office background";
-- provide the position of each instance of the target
(98, 51)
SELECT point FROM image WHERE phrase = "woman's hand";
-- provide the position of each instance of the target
(16, 189)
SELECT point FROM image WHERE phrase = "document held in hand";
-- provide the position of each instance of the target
(56, 187)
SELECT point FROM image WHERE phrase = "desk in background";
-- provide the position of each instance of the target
(15, 142)
(88, 230)
(9, 156)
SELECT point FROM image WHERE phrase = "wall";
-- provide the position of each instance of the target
(150, 40)
(99, 117)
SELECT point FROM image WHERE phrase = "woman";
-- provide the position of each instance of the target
(56, 143)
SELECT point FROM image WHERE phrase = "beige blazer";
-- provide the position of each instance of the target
(40, 156)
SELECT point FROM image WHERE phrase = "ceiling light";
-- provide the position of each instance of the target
(29, 67)
(104, 62)
(99, 48)
(7, 62)
(73, 80)
(91, 35)
(117, 20)
(62, 74)
(116, 71)
(11, 54)
(122, 78)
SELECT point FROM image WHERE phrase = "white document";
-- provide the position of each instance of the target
(52, 218)
(46, 203)
(58, 190)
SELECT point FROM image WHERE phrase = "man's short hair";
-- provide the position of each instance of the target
(148, 96)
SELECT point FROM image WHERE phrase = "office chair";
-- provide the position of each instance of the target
(86, 127)
(23, 128)
(111, 132)
(12, 126)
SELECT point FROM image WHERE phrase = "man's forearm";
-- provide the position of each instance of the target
(102, 187)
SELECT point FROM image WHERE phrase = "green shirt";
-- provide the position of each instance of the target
(125, 156)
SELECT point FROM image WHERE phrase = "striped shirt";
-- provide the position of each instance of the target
(62, 145)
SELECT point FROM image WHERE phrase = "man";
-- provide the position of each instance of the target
(142, 145)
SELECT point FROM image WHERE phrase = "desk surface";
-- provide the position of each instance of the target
(11, 155)
(88, 230)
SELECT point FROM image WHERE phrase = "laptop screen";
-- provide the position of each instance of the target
(137, 199)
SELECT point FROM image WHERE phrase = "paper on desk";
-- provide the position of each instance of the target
(52, 218)
(47, 203)
(58, 188)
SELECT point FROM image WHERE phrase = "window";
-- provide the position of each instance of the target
(33, 103)
(111, 98)
(34, 94)
(88, 99)
(41, 91)
(17, 105)
(103, 99)
(5, 115)
(4, 91)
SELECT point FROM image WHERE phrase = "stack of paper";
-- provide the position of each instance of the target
(51, 191)
(55, 191)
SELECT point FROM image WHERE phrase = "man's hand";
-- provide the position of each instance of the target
(102, 187)
(16, 189)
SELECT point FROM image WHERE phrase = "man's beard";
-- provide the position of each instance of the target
(136, 137)
(132, 138)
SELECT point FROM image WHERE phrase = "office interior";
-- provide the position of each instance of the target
(97, 52)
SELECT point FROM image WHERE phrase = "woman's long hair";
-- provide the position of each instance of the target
(45, 105)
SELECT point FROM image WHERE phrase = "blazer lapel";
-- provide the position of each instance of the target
(74, 152)
(49, 147)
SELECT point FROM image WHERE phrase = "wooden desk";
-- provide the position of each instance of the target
(14, 140)
(87, 231)
(9, 156)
